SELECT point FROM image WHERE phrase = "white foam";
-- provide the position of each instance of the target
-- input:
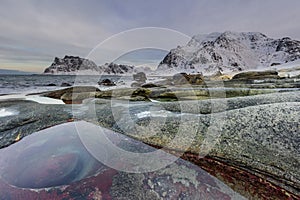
(35, 98)
(44, 100)
(7, 112)
(155, 101)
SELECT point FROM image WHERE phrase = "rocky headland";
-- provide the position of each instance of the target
(75, 65)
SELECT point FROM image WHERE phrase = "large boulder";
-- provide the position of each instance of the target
(73, 94)
(195, 79)
(256, 75)
(180, 78)
(140, 77)
(184, 78)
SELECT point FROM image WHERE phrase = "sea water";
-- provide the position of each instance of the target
(10, 84)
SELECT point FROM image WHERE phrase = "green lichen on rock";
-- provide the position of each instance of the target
(181, 174)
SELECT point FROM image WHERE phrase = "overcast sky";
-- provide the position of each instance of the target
(33, 32)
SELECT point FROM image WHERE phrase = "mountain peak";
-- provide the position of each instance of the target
(230, 51)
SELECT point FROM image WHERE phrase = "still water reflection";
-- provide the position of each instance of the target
(54, 164)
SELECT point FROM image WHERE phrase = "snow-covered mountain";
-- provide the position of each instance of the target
(230, 52)
(77, 65)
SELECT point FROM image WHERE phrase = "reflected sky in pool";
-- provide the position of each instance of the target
(51, 157)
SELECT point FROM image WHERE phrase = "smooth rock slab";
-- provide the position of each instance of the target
(262, 138)
(31, 117)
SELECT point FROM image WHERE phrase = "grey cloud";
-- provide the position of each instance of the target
(36, 30)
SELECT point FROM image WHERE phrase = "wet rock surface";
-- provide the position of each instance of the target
(259, 133)
(32, 117)
(255, 134)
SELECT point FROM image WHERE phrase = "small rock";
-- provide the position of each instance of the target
(106, 82)
(149, 85)
(51, 84)
(121, 83)
(65, 84)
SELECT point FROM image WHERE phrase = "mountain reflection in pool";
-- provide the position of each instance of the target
(56, 158)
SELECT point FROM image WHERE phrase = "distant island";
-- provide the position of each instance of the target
(13, 72)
